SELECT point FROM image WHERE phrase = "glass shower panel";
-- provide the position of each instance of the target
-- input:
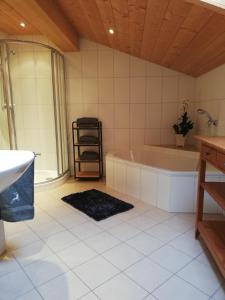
(60, 110)
(4, 126)
(31, 81)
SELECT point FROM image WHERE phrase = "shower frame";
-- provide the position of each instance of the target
(59, 115)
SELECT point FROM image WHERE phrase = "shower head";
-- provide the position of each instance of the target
(211, 121)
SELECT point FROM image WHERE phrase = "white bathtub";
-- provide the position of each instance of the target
(163, 177)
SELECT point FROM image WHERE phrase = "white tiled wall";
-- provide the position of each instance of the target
(210, 95)
(137, 101)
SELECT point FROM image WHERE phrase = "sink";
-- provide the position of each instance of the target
(12, 165)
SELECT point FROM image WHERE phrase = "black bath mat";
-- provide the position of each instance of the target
(96, 204)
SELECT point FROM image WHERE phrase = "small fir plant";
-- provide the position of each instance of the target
(184, 123)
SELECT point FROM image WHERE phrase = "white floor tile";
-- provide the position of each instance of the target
(187, 244)
(72, 220)
(201, 276)
(61, 240)
(122, 256)
(170, 258)
(142, 222)
(90, 296)
(43, 270)
(145, 243)
(148, 274)
(76, 254)
(11, 228)
(124, 231)
(178, 224)
(48, 229)
(220, 293)
(159, 215)
(150, 297)
(21, 239)
(33, 295)
(177, 289)
(67, 286)
(8, 264)
(96, 271)
(102, 242)
(31, 253)
(109, 222)
(85, 230)
(120, 288)
(14, 285)
(163, 233)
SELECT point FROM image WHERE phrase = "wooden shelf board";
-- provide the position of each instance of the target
(216, 190)
(87, 145)
(87, 161)
(88, 174)
(213, 234)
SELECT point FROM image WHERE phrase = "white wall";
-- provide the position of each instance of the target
(210, 95)
(137, 101)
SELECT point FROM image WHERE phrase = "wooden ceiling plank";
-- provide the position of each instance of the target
(213, 29)
(210, 65)
(212, 51)
(196, 19)
(74, 13)
(137, 12)
(106, 12)
(10, 21)
(121, 17)
(90, 10)
(153, 20)
(175, 16)
(48, 18)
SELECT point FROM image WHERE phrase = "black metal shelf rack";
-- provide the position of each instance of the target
(77, 152)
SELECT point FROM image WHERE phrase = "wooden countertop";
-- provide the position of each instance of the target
(217, 142)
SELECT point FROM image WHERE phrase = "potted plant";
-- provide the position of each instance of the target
(183, 125)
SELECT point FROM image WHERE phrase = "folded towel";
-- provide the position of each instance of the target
(89, 155)
(88, 139)
(87, 122)
(17, 201)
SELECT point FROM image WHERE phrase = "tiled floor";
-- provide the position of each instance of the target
(144, 253)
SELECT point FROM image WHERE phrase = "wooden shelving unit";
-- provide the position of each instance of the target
(79, 131)
(212, 232)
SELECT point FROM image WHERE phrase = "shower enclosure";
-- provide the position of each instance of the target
(33, 106)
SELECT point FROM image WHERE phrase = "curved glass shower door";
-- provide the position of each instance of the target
(37, 110)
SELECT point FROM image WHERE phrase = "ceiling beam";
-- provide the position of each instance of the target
(50, 21)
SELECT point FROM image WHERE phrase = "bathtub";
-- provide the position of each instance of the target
(160, 176)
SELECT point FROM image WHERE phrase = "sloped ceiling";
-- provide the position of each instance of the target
(184, 35)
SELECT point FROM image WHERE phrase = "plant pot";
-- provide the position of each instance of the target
(180, 140)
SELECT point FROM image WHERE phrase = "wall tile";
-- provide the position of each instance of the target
(90, 63)
(73, 64)
(169, 114)
(154, 70)
(106, 90)
(122, 116)
(137, 90)
(137, 67)
(170, 89)
(122, 139)
(121, 64)
(154, 90)
(152, 136)
(122, 90)
(90, 90)
(74, 90)
(105, 63)
(137, 116)
(153, 115)
(106, 115)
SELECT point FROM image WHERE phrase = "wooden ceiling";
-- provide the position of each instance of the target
(184, 35)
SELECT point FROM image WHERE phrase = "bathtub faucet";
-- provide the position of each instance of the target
(211, 121)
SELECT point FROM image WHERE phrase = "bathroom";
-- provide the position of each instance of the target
(53, 75)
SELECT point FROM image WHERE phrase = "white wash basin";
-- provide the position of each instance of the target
(12, 165)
